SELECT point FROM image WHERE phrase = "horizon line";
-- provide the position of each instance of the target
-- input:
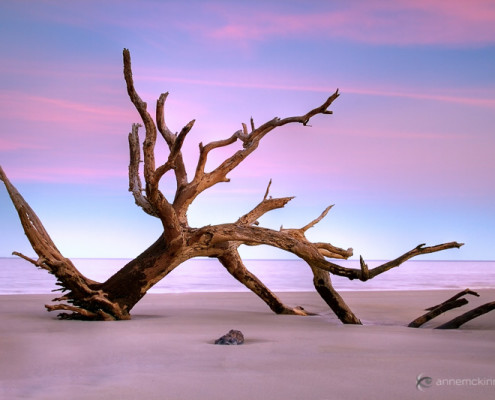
(266, 259)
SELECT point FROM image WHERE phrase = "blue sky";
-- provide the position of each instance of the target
(407, 156)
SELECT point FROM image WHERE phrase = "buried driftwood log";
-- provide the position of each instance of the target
(454, 302)
(435, 311)
(468, 316)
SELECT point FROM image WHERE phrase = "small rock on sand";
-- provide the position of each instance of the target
(232, 338)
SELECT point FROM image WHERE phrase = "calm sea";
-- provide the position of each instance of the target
(17, 276)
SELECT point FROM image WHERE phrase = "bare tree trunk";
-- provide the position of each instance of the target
(128, 285)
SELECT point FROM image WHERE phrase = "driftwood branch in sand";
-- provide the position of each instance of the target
(468, 316)
(454, 302)
(436, 311)
(455, 297)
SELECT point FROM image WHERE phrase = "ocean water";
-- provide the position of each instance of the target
(17, 276)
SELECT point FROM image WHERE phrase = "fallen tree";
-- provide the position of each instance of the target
(115, 298)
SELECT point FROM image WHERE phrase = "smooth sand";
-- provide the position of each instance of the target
(167, 350)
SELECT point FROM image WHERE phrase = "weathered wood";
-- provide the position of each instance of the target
(232, 261)
(135, 185)
(453, 302)
(436, 311)
(468, 316)
(82, 291)
(155, 197)
(115, 298)
(418, 250)
(455, 297)
(325, 289)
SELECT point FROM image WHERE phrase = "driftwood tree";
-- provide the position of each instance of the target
(115, 298)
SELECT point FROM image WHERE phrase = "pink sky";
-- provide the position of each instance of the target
(407, 156)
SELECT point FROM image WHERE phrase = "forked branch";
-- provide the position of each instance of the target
(266, 205)
(152, 176)
(455, 297)
(418, 250)
(170, 138)
(175, 152)
(250, 141)
(294, 241)
(449, 304)
(364, 273)
(440, 309)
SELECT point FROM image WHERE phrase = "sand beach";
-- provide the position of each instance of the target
(166, 351)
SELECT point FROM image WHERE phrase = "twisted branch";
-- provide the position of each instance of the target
(40, 241)
(51, 259)
(250, 140)
(163, 208)
(135, 185)
(449, 304)
(418, 250)
(170, 138)
(455, 297)
(175, 152)
(266, 205)
(468, 316)
(293, 241)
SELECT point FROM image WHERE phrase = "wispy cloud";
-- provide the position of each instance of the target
(484, 100)
(59, 70)
(20, 105)
(12, 144)
(67, 174)
(473, 101)
(402, 22)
